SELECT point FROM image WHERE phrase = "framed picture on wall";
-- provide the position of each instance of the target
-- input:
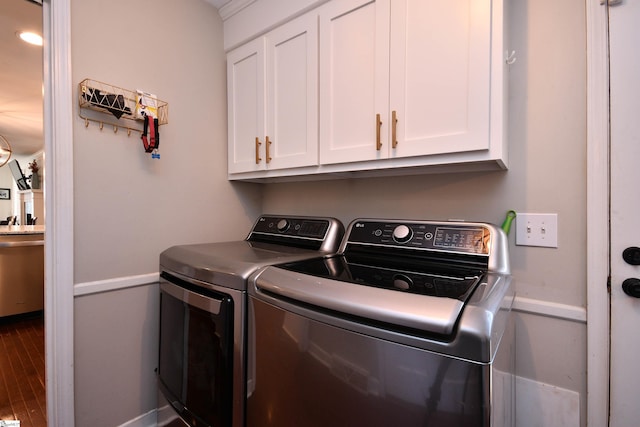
(5, 194)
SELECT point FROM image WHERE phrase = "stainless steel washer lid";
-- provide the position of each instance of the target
(434, 315)
(384, 245)
(228, 263)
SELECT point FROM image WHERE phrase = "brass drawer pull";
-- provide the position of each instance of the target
(267, 147)
(394, 128)
(378, 126)
(258, 143)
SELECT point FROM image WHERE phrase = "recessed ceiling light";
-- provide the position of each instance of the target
(31, 38)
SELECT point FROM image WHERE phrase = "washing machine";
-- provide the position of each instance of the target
(409, 324)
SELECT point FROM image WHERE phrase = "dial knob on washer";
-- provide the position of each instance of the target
(401, 281)
(282, 225)
(402, 234)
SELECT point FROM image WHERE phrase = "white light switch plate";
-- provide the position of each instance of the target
(537, 230)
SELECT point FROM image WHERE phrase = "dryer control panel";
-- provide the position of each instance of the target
(313, 228)
(324, 234)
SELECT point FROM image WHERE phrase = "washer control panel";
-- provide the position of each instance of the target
(450, 237)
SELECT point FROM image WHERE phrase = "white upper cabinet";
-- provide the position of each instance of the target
(374, 87)
(292, 93)
(403, 78)
(440, 76)
(354, 79)
(273, 99)
(246, 106)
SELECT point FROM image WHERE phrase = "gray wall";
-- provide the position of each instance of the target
(128, 207)
(123, 198)
(547, 174)
(116, 341)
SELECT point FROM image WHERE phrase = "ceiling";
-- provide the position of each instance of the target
(21, 101)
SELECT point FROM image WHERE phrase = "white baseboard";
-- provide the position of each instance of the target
(150, 419)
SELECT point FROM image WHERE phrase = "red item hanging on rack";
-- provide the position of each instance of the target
(150, 135)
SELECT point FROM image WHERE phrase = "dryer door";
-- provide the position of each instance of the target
(196, 352)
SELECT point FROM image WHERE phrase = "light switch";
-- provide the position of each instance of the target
(537, 230)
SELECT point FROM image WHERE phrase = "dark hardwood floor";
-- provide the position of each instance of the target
(22, 375)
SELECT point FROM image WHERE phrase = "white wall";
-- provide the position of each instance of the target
(128, 207)
(547, 173)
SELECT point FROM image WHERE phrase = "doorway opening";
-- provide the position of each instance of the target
(22, 336)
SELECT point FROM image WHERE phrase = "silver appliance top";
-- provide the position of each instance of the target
(272, 240)
(443, 281)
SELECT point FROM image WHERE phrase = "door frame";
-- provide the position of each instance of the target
(598, 236)
(58, 188)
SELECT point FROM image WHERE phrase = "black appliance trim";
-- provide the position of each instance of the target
(302, 243)
(450, 259)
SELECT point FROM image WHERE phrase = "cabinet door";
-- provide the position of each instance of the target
(292, 94)
(246, 107)
(440, 75)
(354, 79)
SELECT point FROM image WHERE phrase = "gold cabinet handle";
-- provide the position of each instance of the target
(267, 147)
(394, 126)
(258, 143)
(378, 126)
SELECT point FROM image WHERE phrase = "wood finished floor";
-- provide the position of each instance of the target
(22, 377)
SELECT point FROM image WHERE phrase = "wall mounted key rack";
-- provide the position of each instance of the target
(114, 106)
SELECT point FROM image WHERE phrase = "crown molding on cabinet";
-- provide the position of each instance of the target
(228, 8)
